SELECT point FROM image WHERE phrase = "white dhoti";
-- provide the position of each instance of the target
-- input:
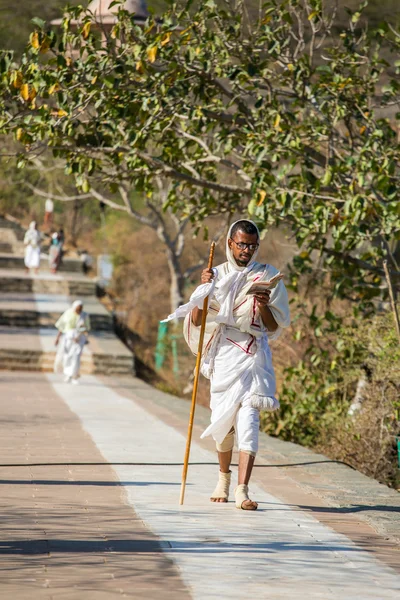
(32, 257)
(242, 383)
(69, 352)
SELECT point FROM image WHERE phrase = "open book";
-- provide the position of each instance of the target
(261, 286)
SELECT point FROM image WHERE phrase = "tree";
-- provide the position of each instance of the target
(15, 24)
(171, 230)
(277, 117)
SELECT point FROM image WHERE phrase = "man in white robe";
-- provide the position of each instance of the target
(32, 241)
(236, 355)
(73, 329)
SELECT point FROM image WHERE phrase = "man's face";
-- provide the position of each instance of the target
(243, 255)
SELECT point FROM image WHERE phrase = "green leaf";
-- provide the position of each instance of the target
(39, 22)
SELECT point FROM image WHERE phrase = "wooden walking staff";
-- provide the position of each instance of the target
(195, 384)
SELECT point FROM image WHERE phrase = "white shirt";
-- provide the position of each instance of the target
(49, 205)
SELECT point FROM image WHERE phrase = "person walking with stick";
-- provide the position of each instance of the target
(248, 306)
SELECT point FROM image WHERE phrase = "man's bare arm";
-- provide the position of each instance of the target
(197, 315)
(268, 318)
(265, 312)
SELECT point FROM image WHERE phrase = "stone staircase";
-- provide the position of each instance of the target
(39, 360)
(39, 319)
(11, 282)
(10, 261)
(30, 305)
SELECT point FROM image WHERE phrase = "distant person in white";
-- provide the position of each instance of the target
(48, 213)
(73, 330)
(32, 241)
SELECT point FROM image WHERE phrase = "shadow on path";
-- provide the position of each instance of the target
(27, 547)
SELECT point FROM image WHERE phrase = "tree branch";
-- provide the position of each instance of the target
(361, 264)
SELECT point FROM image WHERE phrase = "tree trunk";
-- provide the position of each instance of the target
(74, 223)
(177, 280)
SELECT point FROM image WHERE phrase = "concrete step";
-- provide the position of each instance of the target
(48, 286)
(71, 265)
(6, 247)
(15, 227)
(38, 360)
(31, 318)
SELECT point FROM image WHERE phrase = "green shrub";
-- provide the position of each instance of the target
(317, 392)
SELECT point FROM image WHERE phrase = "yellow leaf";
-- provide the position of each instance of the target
(149, 29)
(362, 129)
(54, 88)
(312, 15)
(251, 209)
(24, 91)
(290, 67)
(277, 121)
(198, 50)
(152, 53)
(94, 80)
(261, 197)
(45, 45)
(61, 113)
(114, 32)
(32, 95)
(86, 30)
(68, 60)
(35, 40)
(166, 38)
(19, 134)
(328, 390)
(17, 79)
(139, 66)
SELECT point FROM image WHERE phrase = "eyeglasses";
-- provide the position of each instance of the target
(243, 246)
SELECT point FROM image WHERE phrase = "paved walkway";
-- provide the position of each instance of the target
(91, 479)
(68, 531)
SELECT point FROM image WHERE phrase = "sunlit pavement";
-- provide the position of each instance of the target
(91, 477)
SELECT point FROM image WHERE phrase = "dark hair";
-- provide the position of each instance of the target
(245, 226)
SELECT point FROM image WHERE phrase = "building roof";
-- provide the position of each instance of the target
(106, 15)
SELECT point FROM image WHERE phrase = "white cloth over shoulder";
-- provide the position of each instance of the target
(195, 300)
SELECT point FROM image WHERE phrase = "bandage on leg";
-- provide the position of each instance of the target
(221, 491)
(227, 443)
(249, 452)
(242, 496)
